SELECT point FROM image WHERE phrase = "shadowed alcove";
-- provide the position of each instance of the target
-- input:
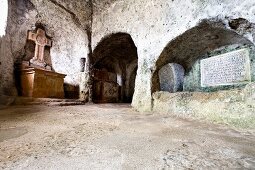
(186, 49)
(114, 69)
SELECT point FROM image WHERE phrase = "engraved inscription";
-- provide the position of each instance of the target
(226, 69)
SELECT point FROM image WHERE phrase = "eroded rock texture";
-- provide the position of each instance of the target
(154, 25)
(117, 54)
(67, 22)
(162, 32)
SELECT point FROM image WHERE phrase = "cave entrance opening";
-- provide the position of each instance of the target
(114, 69)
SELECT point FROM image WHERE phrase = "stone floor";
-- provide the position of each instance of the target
(116, 137)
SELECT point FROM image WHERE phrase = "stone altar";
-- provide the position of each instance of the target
(36, 78)
(40, 83)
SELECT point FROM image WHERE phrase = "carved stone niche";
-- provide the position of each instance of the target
(35, 75)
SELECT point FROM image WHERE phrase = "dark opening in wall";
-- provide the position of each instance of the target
(114, 67)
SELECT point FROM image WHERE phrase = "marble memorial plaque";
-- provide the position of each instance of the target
(226, 69)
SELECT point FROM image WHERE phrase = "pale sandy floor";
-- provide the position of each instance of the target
(116, 137)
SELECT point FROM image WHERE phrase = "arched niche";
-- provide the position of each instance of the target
(114, 60)
(193, 44)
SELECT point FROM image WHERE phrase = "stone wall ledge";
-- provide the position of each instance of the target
(235, 107)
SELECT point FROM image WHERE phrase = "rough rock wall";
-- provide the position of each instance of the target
(65, 21)
(234, 107)
(192, 81)
(152, 24)
(171, 77)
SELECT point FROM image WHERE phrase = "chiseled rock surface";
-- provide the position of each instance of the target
(65, 22)
(153, 24)
(233, 107)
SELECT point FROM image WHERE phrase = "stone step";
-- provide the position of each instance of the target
(46, 101)
(56, 103)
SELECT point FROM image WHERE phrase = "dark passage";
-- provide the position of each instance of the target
(114, 67)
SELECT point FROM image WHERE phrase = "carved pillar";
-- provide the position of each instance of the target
(89, 57)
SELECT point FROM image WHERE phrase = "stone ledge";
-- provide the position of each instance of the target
(235, 107)
(32, 70)
(39, 101)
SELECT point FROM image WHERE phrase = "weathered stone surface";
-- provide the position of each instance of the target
(166, 78)
(105, 87)
(72, 91)
(105, 92)
(84, 87)
(153, 29)
(171, 77)
(117, 53)
(116, 137)
(41, 83)
(192, 80)
(226, 69)
(6, 101)
(65, 21)
(161, 34)
(234, 107)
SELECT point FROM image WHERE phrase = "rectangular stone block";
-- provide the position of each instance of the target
(105, 92)
(226, 69)
(41, 83)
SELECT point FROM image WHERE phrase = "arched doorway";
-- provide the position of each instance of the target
(114, 67)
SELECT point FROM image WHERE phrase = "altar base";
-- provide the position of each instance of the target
(40, 83)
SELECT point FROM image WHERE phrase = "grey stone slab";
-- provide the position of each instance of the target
(226, 69)
(171, 77)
